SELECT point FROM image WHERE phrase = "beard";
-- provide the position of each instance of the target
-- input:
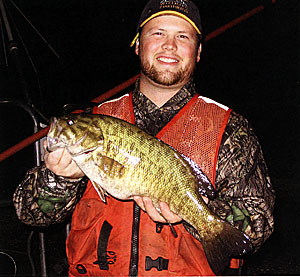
(166, 77)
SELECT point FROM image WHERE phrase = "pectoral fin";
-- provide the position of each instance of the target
(110, 167)
(101, 191)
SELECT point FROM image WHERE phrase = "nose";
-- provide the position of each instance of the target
(169, 44)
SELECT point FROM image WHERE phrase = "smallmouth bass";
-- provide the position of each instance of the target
(122, 160)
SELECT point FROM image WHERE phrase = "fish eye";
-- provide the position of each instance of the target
(70, 122)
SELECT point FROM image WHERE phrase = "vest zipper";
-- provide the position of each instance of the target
(134, 259)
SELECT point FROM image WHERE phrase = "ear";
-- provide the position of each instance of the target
(199, 52)
(137, 45)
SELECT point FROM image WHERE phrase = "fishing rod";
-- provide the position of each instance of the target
(36, 136)
(7, 153)
(13, 49)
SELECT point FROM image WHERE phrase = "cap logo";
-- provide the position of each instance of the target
(185, 9)
(180, 5)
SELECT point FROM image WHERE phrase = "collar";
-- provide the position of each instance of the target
(180, 99)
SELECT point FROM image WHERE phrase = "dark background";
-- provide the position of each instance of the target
(252, 68)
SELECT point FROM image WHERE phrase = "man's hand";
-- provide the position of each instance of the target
(60, 163)
(146, 204)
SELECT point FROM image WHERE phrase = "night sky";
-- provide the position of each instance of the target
(252, 68)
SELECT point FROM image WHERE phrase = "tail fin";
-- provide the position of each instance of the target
(229, 243)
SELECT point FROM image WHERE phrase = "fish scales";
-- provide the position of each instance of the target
(149, 158)
(122, 160)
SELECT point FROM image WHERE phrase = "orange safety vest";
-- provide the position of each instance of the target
(100, 242)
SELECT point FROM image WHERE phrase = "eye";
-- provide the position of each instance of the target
(183, 37)
(70, 122)
(158, 33)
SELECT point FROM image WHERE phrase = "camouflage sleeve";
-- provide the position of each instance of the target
(245, 196)
(44, 198)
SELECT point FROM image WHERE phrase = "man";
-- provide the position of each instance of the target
(118, 238)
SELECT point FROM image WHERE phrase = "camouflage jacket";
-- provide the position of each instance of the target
(245, 196)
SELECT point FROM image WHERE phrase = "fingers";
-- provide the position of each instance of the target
(152, 211)
(57, 158)
(166, 214)
(60, 162)
(139, 201)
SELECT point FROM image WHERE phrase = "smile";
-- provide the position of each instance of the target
(167, 60)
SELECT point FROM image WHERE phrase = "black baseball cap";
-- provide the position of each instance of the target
(185, 9)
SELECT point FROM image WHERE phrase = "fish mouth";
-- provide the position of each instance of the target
(59, 140)
(53, 144)
(84, 152)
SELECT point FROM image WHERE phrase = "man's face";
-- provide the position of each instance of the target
(168, 50)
